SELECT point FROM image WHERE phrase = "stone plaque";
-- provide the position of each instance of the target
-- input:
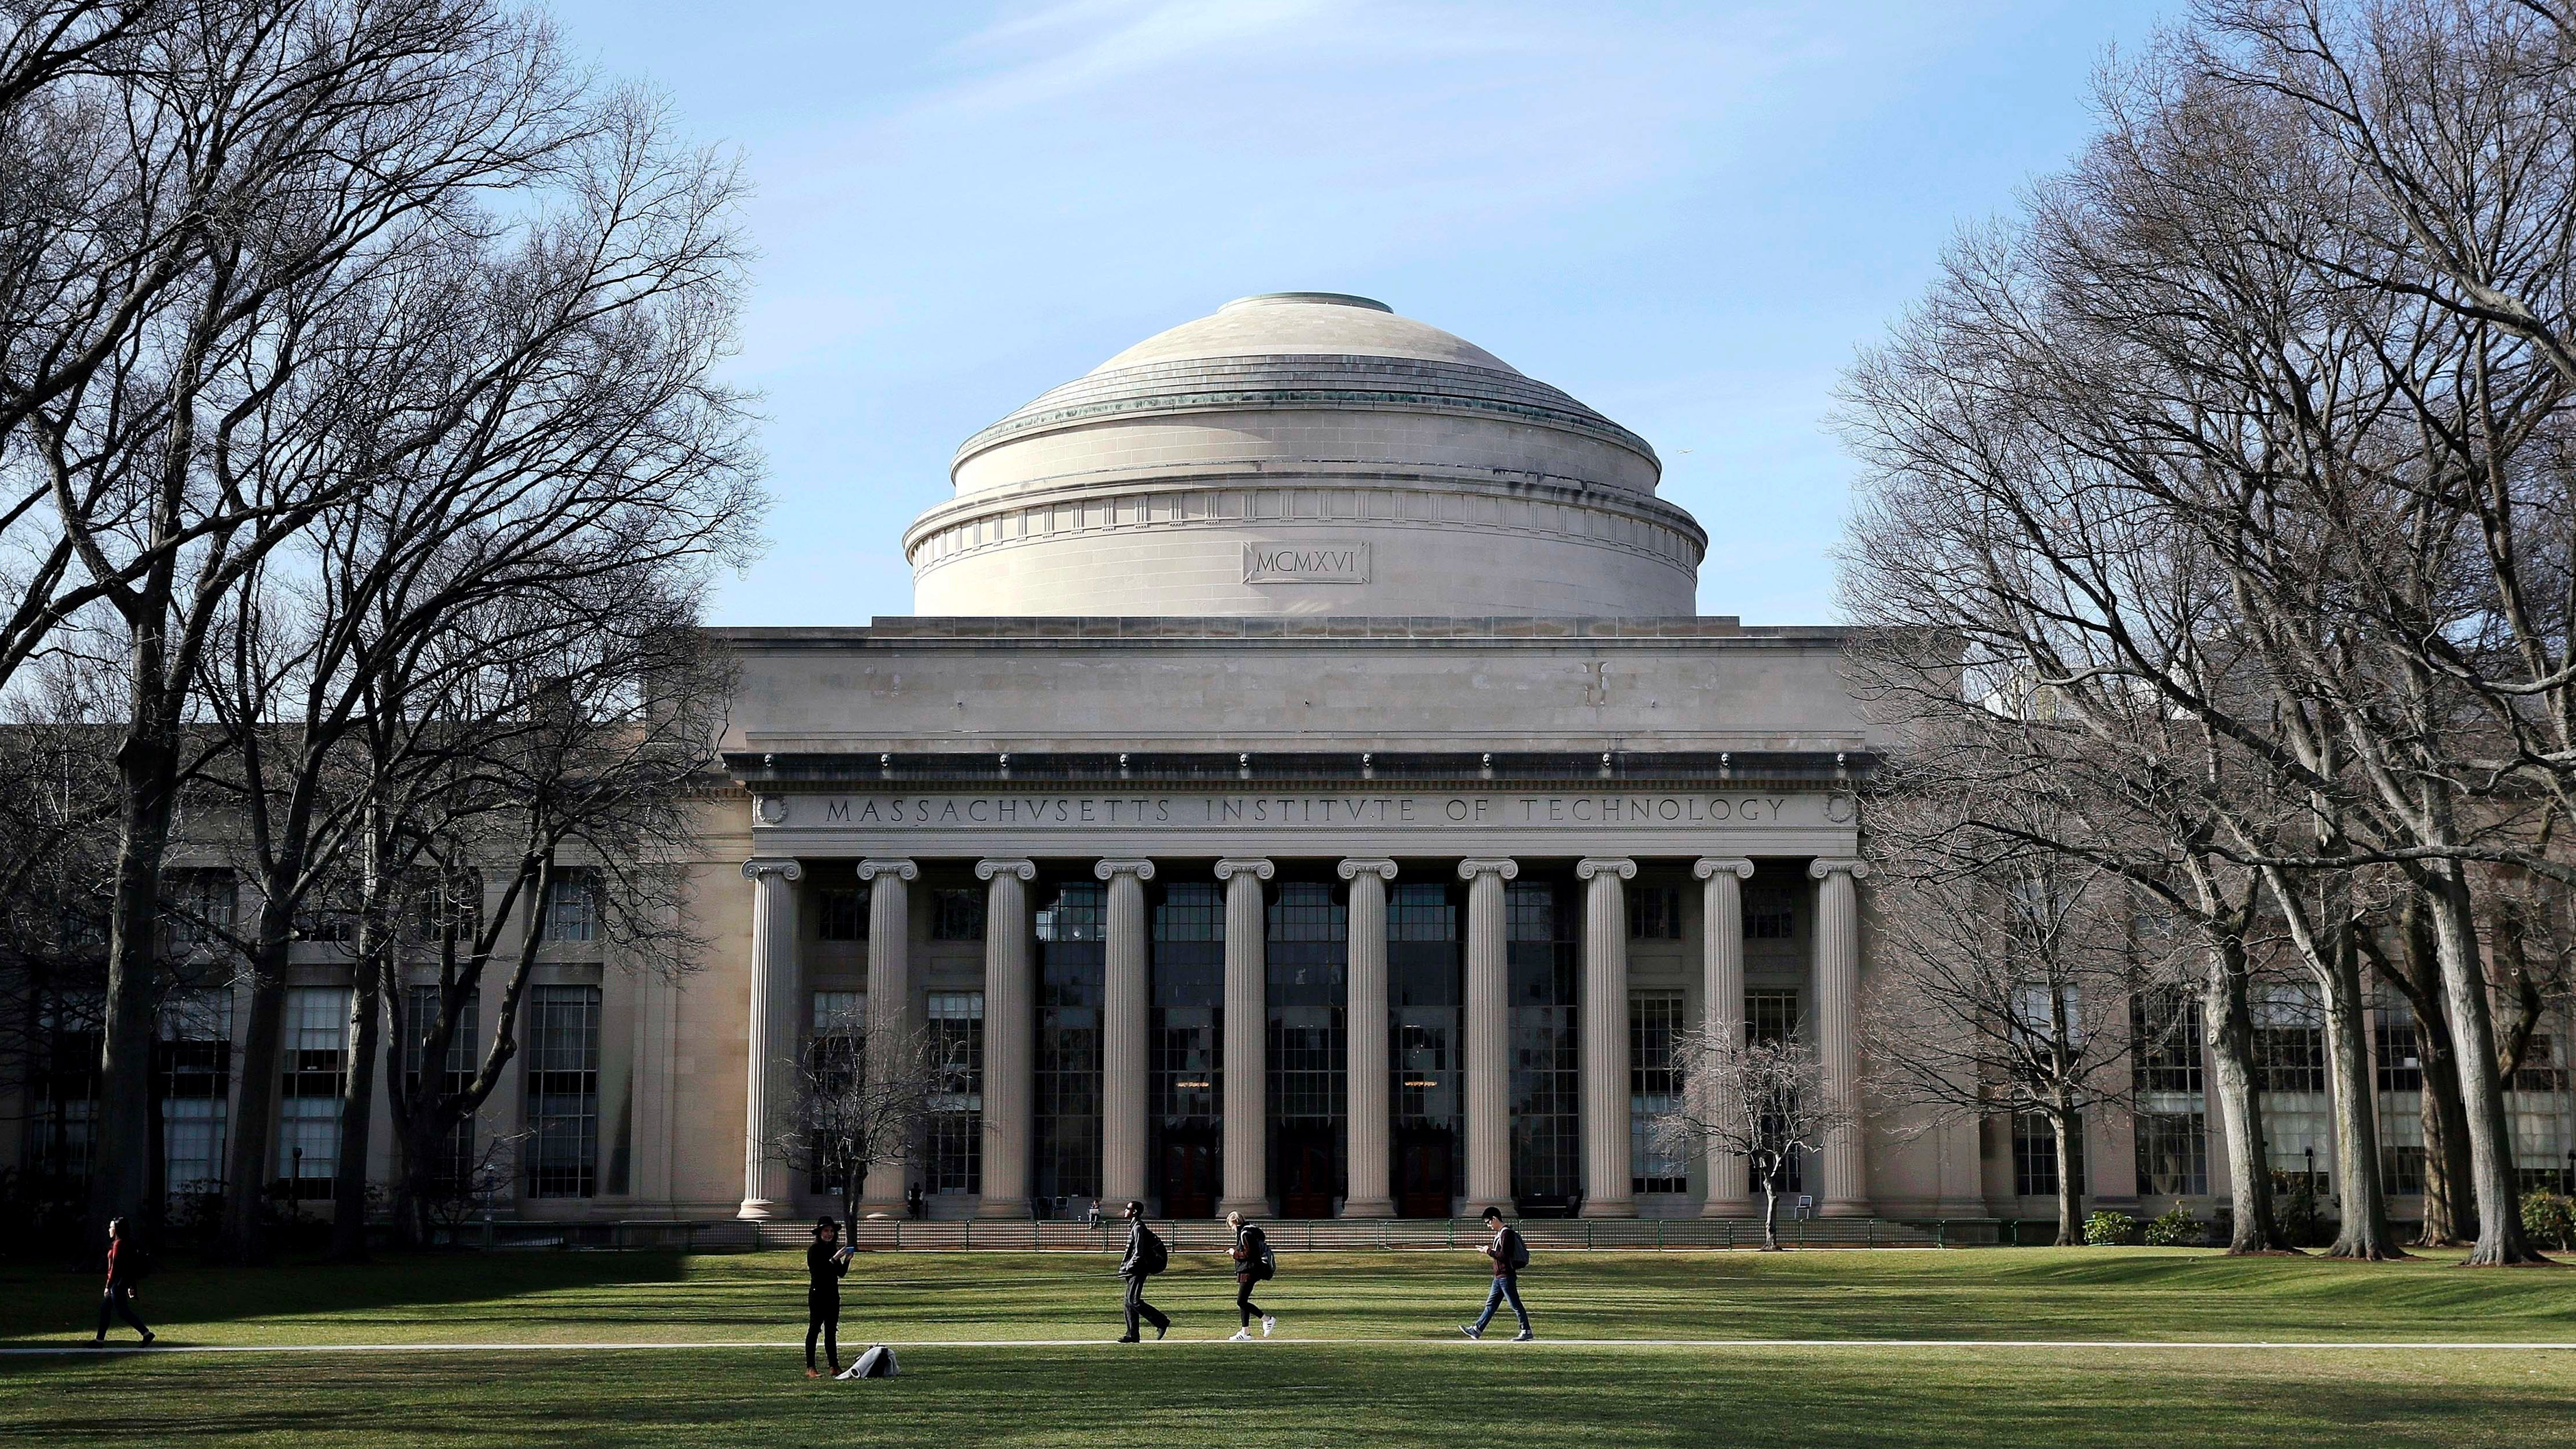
(1306, 563)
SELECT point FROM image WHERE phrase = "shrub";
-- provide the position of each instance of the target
(2549, 1219)
(2110, 1229)
(2177, 1228)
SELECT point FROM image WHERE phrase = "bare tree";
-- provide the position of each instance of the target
(2004, 978)
(1763, 1101)
(864, 1090)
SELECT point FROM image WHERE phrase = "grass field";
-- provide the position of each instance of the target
(1368, 1354)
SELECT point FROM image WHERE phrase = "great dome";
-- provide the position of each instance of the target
(1305, 453)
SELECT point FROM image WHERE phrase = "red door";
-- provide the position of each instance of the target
(1422, 1181)
(1306, 1175)
(1189, 1176)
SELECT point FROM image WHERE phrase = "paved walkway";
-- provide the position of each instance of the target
(2300, 1345)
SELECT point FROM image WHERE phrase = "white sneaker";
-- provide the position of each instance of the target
(1241, 1335)
(1267, 1324)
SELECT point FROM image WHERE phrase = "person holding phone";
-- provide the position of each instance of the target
(1509, 1255)
(826, 1263)
(1253, 1264)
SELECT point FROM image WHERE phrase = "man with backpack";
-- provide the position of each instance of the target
(126, 1265)
(1510, 1255)
(1146, 1256)
(1254, 1263)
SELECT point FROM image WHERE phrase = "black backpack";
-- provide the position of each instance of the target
(1515, 1250)
(1263, 1263)
(1152, 1256)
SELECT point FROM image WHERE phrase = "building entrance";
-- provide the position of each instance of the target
(1422, 1172)
(1189, 1173)
(1305, 1172)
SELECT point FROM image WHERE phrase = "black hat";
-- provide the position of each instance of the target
(825, 1221)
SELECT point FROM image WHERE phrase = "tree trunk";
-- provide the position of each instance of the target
(357, 1116)
(252, 1128)
(146, 767)
(2363, 1231)
(2228, 1021)
(2068, 1126)
(1770, 1214)
(2464, 998)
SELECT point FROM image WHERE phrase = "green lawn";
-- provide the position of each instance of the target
(1371, 1353)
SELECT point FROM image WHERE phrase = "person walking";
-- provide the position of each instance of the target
(1145, 1257)
(827, 1262)
(1510, 1255)
(1254, 1263)
(125, 1268)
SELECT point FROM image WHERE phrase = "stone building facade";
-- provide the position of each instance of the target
(1307, 787)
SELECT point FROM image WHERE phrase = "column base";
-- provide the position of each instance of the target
(1725, 1207)
(1369, 1207)
(757, 1209)
(1619, 1208)
(1251, 1207)
(1845, 1207)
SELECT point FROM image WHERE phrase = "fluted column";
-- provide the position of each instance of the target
(769, 1035)
(889, 1004)
(1124, 1000)
(1608, 1175)
(1489, 1038)
(1837, 1002)
(1721, 930)
(1365, 1026)
(1247, 1039)
(1010, 1032)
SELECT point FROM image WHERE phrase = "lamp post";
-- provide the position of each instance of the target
(295, 1186)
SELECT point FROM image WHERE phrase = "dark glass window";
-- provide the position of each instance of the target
(844, 913)
(955, 1159)
(1540, 947)
(1654, 1084)
(2173, 1154)
(2164, 1035)
(455, 1166)
(563, 1091)
(956, 914)
(1655, 913)
(1189, 1005)
(1423, 968)
(1770, 1016)
(2289, 1039)
(2401, 1056)
(1770, 911)
(1071, 926)
(1307, 953)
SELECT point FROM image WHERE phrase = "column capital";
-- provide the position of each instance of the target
(899, 869)
(1505, 868)
(1024, 869)
(1257, 867)
(1353, 868)
(1141, 869)
(1823, 866)
(1618, 865)
(759, 866)
(1713, 867)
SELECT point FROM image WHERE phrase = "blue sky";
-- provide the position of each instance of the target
(1689, 216)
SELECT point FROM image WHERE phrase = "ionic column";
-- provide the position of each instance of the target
(1837, 1000)
(1489, 1038)
(769, 1035)
(889, 1004)
(1721, 927)
(1365, 1028)
(1124, 999)
(1607, 1170)
(1247, 1039)
(1010, 1032)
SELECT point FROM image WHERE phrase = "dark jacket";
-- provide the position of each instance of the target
(825, 1268)
(1132, 1264)
(1500, 1250)
(1247, 1251)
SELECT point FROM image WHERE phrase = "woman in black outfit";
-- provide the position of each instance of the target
(826, 1263)
(1249, 1245)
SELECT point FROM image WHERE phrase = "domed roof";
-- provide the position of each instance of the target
(1291, 324)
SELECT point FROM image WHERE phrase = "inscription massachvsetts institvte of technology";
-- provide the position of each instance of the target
(1307, 811)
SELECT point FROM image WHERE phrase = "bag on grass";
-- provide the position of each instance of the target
(876, 1363)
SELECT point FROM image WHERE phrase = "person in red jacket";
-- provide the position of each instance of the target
(124, 1267)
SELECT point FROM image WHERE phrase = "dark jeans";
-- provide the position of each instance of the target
(1138, 1308)
(1243, 1303)
(823, 1316)
(118, 1302)
(1503, 1288)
